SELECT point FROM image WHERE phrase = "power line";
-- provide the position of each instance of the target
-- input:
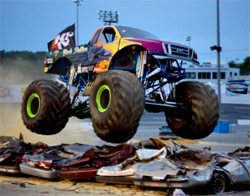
(226, 51)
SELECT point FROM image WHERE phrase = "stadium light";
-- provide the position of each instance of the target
(108, 17)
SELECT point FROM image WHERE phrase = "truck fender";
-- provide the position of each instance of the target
(60, 66)
(126, 56)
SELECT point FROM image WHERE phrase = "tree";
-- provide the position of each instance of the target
(232, 64)
(245, 67)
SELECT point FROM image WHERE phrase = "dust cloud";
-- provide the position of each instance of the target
(76, 131)
(11, 124)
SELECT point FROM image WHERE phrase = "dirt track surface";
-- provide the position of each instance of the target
(180, 141)
(37, 186)
(32, 186)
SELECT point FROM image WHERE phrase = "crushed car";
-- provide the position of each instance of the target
(146, 163)
(177, 166)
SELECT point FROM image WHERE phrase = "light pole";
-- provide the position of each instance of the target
(188, 39)
(218, 48)
(218, 51)
(78, 3)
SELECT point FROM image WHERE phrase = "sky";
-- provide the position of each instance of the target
(31, 24)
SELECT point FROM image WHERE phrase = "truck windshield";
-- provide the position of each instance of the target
(135, 33)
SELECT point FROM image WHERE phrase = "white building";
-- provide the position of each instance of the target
(207, 72)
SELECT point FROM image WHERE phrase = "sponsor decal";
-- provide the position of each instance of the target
(66, 52)
(22, 89)
(50, 60)
(64, 39)
(75, 50)
(4, 91)
(84, 69)
(80, 49)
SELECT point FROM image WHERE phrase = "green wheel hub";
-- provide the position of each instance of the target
(33, 105)
(103, 98)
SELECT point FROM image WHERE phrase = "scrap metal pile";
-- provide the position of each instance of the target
(146, 163)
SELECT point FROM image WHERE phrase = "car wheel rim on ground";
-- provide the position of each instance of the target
(218, 185)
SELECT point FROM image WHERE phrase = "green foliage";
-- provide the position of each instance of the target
(244, 67)
(26, 55)
(232, 64)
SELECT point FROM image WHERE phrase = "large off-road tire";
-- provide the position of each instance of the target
(201, 110)
(116, 105)
(45, 107)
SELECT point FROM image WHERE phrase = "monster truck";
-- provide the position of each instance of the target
(112, 79)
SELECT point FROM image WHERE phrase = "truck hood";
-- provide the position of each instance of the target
(153, 44)
(166, 49)
(149, 44)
